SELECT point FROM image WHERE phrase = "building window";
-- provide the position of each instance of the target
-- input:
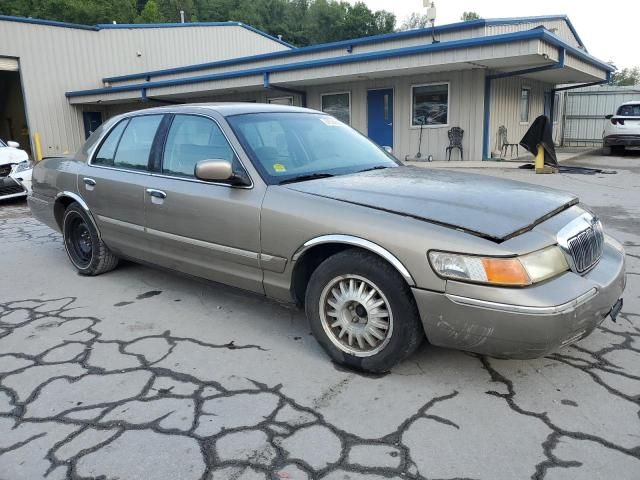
(525, 101)
(337, 105)
(281, 100)
(556, 107)
(430, 105)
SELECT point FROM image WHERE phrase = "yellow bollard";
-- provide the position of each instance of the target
(539, 162)
(38, 145)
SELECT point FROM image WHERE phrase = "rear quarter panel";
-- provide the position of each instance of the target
(50, 177)
(54, 175)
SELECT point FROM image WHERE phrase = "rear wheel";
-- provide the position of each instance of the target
(362, 312)
(85, 249)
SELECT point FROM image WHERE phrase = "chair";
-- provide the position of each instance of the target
(503, 141)
(455, 141)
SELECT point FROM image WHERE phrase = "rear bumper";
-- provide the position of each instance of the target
(622, 141)
(524, 331)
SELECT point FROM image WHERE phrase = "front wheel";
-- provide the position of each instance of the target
(362, 312)
(85, 249)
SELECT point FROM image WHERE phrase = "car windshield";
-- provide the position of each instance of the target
(288, 147)
(632, 110)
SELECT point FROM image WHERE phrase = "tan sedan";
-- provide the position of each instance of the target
(292, 204)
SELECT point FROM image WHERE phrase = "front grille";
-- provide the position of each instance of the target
(586, 247)
(5, 170)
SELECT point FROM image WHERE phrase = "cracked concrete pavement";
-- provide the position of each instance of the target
(144, 374)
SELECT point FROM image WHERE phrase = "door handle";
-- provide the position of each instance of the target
(156, 193)
(89, 181)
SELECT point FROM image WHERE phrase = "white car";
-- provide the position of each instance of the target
(15, 171)
(622, 129)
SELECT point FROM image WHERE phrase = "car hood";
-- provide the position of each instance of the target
(12, 155)
(486, 206)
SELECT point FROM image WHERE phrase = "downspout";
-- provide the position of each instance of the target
(486, 153)
(269, 86)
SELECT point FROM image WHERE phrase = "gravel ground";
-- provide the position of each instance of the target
(144, 374)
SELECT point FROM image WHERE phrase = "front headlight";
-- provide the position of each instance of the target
(22, 166)
(515, 271)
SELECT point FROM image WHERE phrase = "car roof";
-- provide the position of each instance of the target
(633, 102)
(226, 108)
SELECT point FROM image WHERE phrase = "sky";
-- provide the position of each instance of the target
(609, 30)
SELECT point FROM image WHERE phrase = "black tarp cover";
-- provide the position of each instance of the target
(540, 133)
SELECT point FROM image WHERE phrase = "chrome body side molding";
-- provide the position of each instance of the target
(357, 242)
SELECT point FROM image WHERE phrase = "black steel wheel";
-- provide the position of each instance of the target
(85, 249)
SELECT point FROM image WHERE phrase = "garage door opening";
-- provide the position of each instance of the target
(13, 118)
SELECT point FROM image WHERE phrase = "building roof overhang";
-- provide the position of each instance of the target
(533, 48)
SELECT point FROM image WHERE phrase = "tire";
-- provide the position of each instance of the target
(618, 150)
(86, 251)
(391, 303)
(606, 151)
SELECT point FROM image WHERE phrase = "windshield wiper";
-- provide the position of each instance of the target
(379, 167)
(304, 178)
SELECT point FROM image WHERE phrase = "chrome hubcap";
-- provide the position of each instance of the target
(355, 315)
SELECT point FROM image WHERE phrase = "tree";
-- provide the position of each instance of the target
(626, 77)
(300, 22)
(468, 16)
(150, 13)
(415, 21)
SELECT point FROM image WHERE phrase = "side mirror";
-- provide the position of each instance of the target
(219, 171)
(608, 117)
(13, 144)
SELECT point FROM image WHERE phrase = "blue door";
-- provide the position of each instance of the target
(91, 120)
(380, 113)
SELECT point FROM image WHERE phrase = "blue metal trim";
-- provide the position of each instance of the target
(120, 26)
(539, 34)
(487, 118)
(265, 34)
(49, 23)
(582, 85)
(541, 18)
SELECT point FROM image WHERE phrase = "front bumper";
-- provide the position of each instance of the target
(11, 187)
(622, 141)
(498, 322)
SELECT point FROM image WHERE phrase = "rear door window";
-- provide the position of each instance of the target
(191, 139)
(107, 151)
(134, 147)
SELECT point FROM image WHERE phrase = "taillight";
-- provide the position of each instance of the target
(617, 121)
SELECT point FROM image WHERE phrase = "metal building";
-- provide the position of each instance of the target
(585, 109)
(405, 90)
(40, 60)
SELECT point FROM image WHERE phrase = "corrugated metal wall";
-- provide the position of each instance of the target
(505, 107)
(56, 59)
(585, 110)
(465, 110)
(559, 27)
